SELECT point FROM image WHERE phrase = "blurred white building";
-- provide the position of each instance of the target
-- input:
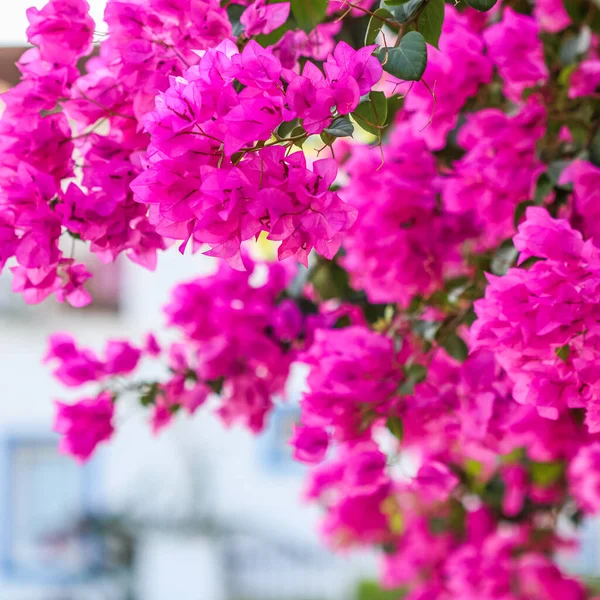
(217, 513)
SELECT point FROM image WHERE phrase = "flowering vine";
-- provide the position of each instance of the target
(446, 302)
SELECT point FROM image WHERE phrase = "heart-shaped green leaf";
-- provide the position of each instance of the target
(481, 5)
(341, 127)
(408, 60)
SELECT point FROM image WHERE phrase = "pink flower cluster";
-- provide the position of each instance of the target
(584, 477)
(77, 366)
(517, 52)
(355, 487)
(551, 15)
(499, 169)
(84, 425)
(461, 415)
(342, 398)
(236, 338)
(541, 322)
(490, 563)
(585, 207)
(316, 45)
(147, 42)
(398, 249)
(36, 154)
(207, 180)
(236, 330)
(261, 17)
(205, 115)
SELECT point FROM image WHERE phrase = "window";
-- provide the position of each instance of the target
(275, 449)
(43, 497)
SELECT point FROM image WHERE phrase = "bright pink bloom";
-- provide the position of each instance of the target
(516, 50)
(84, 425)
(584, 477)
(586, 196)
(62, 30)
(310, 444)
(498, 171)
(262, 18)
(585, 79)
(392, 241)
(531, 317)
(551, 15)
(435, 481)
(337, 390)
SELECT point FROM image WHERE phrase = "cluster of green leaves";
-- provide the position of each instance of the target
(371, 590)
(415, 23)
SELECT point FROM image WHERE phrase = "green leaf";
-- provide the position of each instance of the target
(406, 388)
(216, 385)
(473, 468)
(394, 104)
(149, 394)
(405, 11)
(520, 211)
(455, 347)
(513, 457)
(431, 20)
(543, 187)
(427, 329)
(295, 133)
(481, 5)
(576, 9)
(579, 132)
(408, 60)
(504, 258)
(416, 373)
(530, 262)
(372, 114)
(545, 474)
(595, 150)
(341, 127)
(309, 13)
(376, 24)
(395, 425)
(270, 39)
(234, 12)
(555, 170)
(287, 127)
(563, 352)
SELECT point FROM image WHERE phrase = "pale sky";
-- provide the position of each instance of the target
(13, 21)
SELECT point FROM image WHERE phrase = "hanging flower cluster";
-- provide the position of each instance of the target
(211, 177)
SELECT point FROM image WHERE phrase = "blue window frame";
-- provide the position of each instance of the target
(43, 497)
(275, 450)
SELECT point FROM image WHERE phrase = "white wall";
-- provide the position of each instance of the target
(196, 467)
(13, 21)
